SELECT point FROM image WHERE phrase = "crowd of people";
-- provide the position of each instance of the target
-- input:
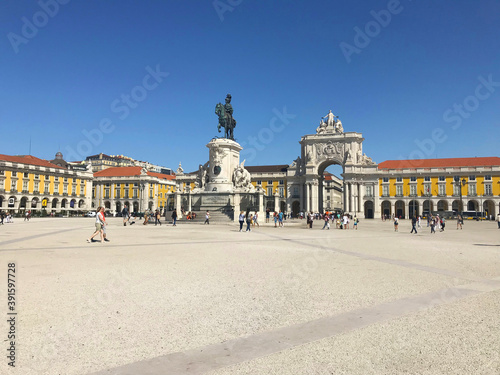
(251, 218)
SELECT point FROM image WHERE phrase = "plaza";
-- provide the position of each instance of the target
(197, 299)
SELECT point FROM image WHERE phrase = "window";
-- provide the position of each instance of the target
(281, 192)
(127, 193)
(82, 192)
(413, 190)
(46, 188)
(427, 189)
(369, 191)
(399, 179)
(487, 189)
(442, 190)
(117, 193)
(457, 190)
(13, 185)
(73, 189)
(93, 192)
(65, 179)
(2, 186)
(25, 185)
(2, 173)
(399, 190)
(296, 191)
(456, 178)
(36, 185)
(26, 174)
(413, 179)
(442, 178)
(47, 177)
(270, 182)
(65, 189)
(385, 191)
(282, 182)
(259, 182)
(385, 179)
(106, 193)
(487, 177)
(270, 190)
(427, 179)
(472, 190)
(37, 177)
(472, 178)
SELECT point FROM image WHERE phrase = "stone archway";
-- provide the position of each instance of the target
(330, 145)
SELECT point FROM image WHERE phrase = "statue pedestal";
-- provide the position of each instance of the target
(224, 158)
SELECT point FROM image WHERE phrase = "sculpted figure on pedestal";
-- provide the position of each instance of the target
(241, 177)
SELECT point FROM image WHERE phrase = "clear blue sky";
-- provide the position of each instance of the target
(65, 75)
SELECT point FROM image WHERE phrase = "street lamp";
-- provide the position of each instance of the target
(460, 184)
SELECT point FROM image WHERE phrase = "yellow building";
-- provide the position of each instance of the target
(30, 183)
(135, 187)
(418, 187)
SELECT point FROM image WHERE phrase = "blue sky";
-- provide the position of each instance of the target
(414, 74)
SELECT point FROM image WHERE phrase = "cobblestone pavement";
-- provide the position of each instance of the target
(195, 299)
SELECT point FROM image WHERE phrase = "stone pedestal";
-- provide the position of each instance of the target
(224, 158)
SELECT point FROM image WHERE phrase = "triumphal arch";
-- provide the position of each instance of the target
(332, 145)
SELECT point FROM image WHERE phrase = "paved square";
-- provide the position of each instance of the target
(197, 299)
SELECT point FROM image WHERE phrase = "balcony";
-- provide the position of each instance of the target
(472, 195)
(399, 195)
(385, 195)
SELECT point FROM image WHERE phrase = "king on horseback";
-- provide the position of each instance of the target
(226, 120)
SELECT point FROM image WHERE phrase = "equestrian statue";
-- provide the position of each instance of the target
(226, 120)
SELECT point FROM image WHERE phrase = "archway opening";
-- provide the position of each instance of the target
(331, 188)
(386, 209)
(489, 209)
(472, 206)
(400, 209)
(413, 208)
(369, 210)
(295, 208)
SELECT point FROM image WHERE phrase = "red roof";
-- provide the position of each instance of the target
(28, 159)
(441, 163)
(129, 172)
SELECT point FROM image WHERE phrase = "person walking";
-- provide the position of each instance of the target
(207, 218)
(157, 217)
(443, 224)
(419, 220)
(414, 224)
(104, 225)
(327, 222)
(255, 219)
(433, 225)
(248, 218)
(268, 215)
(498, 220)
(99, 222)
(241, 219)
(460, 222)
(174, 217)
(125, 215)
(280, 219)
(356, 221)
(396, 223)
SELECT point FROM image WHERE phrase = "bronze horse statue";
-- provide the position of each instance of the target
(226, 121)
